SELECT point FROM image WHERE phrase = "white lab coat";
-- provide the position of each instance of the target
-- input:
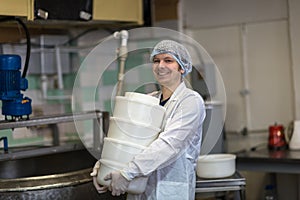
(170, 160)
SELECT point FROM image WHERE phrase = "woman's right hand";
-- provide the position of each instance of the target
(99, 188)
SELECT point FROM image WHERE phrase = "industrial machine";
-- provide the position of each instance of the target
(14, 104)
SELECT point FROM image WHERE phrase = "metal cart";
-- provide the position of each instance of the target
(233, 183)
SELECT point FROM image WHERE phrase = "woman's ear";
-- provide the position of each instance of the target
(181, 71)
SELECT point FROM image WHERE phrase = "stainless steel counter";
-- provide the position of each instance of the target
(253, 154)
(282, 166)
(263, 159)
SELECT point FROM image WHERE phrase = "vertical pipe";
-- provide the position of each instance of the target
(121, 76)
(97, 133)
(5, 144)
(59, 68)
(55, 134)
(105, 121)
(180, 7)
(123, 35)
(43, 70)
(44, 86)
(42, 55)
(100, 130)
(245, 91)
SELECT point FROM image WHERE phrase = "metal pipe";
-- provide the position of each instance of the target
(59, 68)
(97, 116)
(5, 144)
(55, 134)
(246, 91)
(122, 57)
(51, 119)
(59, 78)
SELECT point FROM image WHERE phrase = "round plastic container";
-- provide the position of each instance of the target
(144, 98)
(216, 165)
(119, 151)
(136, 186)
(125, 130)
(135, 111)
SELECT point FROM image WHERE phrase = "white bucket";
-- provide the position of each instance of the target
(144, 98)
(136, 111)
(216, 165)
(120, 151)
(138, 133)
(136, 186)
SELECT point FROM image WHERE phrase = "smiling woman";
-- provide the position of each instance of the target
(169, 161)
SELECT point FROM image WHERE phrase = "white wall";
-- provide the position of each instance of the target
(256, 45)
(294, 18)
(250, 42)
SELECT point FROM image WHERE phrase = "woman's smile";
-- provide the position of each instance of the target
(163, 72)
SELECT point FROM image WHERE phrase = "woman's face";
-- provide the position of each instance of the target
(167, 71)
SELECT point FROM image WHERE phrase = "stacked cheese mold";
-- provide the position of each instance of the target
(136, 123)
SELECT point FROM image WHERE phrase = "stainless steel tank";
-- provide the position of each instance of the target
(52, 172)
(49, 173)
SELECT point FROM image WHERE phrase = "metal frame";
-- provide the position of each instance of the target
(233, 183)
(98, 117)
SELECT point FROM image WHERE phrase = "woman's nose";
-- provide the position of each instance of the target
(161, 64)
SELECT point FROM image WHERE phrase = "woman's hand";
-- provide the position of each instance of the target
(99, 188)
(119, 184)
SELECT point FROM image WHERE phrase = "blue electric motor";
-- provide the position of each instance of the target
(11, 83)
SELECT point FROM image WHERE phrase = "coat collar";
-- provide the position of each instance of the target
(176, 94)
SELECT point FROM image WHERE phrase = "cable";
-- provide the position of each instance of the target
(28, 46)
(28, 42)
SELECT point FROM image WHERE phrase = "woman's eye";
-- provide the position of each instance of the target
(155, 61)
(168, 61)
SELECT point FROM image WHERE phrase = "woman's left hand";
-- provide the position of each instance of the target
(119, 184)
(99, 188)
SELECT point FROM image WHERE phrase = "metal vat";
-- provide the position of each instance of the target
(55, 172)
(49, 173)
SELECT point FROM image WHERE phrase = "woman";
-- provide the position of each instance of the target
(170, 160)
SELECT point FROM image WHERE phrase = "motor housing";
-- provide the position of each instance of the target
(14, 104)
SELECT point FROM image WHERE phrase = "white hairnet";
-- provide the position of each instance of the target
(178, 51)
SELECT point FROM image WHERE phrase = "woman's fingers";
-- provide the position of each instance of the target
(99, 188)
(107, 177)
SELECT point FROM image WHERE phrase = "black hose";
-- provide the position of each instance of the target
(28, 46)
(28, 49)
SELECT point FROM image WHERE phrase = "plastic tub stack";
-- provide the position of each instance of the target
(135, 124)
